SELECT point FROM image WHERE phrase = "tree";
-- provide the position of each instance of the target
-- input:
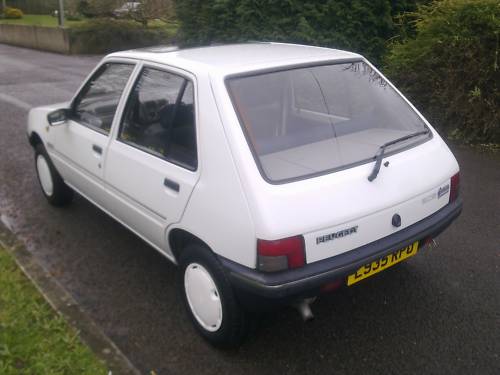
(98, 8)
(153, 9)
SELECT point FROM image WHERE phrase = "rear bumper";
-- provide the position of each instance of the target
(308, 280)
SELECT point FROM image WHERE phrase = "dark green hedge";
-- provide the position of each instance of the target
(102, 35)
(357, 25)
(451, 68)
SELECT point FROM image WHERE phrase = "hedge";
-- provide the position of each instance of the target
(102, 35)
(451, 68)
(359, 25)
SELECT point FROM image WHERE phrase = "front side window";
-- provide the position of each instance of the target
(95, 105)
(308, 121)
(159, 117)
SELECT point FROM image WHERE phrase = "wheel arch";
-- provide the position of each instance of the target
(35, 139)
(178, 238)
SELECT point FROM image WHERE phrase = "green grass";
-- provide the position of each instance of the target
(33, 338)
(171, 26)
(40, 20)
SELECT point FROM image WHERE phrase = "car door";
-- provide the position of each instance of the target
(79, 146)
(152, 161)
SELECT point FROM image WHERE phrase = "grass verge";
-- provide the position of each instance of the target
(33, 338)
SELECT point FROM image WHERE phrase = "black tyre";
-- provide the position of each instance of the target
(51, 183)
(209, 298)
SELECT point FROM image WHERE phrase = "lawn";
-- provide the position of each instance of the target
(33, 338)
(40, 20)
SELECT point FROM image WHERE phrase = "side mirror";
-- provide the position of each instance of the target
(58, 117)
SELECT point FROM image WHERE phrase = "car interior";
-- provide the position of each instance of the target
(162, 127)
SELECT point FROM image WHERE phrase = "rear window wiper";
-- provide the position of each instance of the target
(381, 150)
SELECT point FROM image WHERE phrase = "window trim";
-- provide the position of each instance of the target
(248, 136)
(92, 74)
(187, 80)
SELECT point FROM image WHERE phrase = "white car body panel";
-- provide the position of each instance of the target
(218, 211)
(226, 202)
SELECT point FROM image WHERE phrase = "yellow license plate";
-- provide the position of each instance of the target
(379, 265)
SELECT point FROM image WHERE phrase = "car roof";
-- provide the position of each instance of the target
(236, 58)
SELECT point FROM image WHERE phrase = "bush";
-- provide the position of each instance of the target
(451, 68)
(74, 17)
(358, 25)
(35, 6)
(103, 35)
(12, 13)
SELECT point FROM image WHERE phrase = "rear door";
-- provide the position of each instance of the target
(152, 162)
(78, 147)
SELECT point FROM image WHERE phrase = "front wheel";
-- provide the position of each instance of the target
(52, 184)
(209, 298)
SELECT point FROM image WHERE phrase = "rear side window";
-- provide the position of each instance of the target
(95, 105)
(159, 117)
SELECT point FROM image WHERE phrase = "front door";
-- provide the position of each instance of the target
(79, 147)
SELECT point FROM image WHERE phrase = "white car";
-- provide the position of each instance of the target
(126, 9)
(268, 172)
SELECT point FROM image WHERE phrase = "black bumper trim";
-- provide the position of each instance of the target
(313, 276)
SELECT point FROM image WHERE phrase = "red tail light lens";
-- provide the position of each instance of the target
(454, 187)
(279, 255)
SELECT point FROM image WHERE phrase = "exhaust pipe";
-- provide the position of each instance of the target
(431, 243)
(304, 308)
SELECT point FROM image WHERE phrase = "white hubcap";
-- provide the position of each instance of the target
(44, 175)
(203, 297)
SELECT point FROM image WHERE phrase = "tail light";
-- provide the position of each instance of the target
(279, 255)
(454, 187)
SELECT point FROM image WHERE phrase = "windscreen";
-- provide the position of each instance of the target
(308, 121)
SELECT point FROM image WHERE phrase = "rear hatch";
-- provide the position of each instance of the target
(314, 132)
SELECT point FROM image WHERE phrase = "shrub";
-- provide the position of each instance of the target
(74, 17)
(83, 7)
(451, 68)
(103, 35)
(359, 25)
(12, 13)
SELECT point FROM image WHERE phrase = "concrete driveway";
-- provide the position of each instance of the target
(438, 313)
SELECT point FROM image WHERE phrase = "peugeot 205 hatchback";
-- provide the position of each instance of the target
(267, 172)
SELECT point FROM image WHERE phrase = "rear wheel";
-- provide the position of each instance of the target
(52, 184)
(209, 298)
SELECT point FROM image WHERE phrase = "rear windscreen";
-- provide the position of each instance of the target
(308, 121)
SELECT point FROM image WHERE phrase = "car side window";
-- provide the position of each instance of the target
(159, 117)
(95, 105)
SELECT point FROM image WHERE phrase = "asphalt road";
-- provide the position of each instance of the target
(438, 313)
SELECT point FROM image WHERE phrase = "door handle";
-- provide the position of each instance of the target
(97, 149)
(171, 184)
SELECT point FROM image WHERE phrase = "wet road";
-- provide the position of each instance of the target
(437, 313)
